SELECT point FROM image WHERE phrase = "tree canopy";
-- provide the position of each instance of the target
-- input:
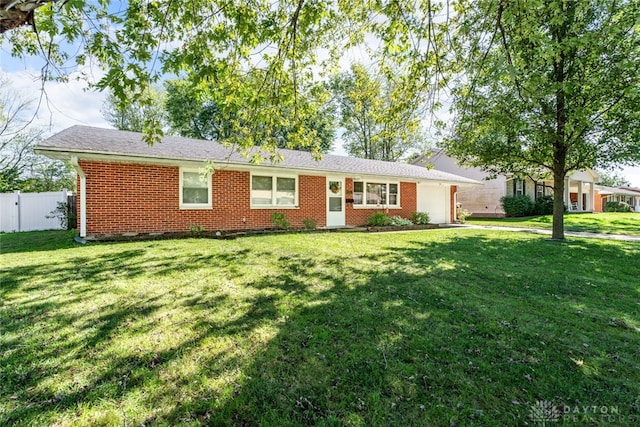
(612, 179)
(134, 115)
(379, 118)
(263, 53)
(204, 113)
(547, 88)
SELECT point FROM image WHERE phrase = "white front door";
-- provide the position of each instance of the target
(335, 202)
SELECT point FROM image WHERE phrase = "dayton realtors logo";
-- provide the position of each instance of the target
(545, 412)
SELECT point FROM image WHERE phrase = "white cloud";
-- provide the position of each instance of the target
(62, 104)
(632, 174)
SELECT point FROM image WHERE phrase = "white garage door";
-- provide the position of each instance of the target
(434, 199)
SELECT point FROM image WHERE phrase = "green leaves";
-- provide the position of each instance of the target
(380, 117)
(548, 86)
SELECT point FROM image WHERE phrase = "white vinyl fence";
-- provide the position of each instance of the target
(29, 211)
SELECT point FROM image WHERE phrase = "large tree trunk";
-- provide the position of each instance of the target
(558, 205)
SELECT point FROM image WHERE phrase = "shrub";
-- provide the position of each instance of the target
(196, 229)
(309, 224)
(617, 207)
(462, 214)
(515, 206)
(398, 220)
(65, 216)
(543, 205)
(420, 218)
(280, 221)
(378, 219)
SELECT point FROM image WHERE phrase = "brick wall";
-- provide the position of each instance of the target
(358, 216)
(133, 198)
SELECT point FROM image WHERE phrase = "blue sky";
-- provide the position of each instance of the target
(69, 103)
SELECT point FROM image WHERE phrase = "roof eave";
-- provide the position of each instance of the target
(65, 154)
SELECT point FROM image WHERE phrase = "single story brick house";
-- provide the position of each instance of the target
(126, 186)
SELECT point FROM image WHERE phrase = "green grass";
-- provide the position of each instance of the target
(607, 223)
(442, 327)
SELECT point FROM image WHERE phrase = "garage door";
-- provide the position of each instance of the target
(434, 199)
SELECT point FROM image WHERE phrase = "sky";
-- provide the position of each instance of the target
(64, 104)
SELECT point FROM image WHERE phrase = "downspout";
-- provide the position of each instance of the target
(83, 198)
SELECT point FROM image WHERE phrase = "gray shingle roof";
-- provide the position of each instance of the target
(604, 190)
(85, 140)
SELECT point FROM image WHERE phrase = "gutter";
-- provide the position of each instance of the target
(83, 194)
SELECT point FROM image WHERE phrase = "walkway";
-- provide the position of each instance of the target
(621, 237)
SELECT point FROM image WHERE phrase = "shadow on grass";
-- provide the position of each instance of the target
(31, 241)
(461, 330)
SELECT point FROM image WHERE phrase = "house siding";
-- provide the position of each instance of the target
(135, 198)
(359, 216)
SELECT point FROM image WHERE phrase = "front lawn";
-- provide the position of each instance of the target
(607, 223)
(443, 327)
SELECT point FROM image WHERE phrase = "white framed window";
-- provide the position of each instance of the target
(376, 193)
(195, 189)
(518, 187)
(274, 191)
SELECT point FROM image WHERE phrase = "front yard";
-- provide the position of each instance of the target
(607, 223)
(443, 327)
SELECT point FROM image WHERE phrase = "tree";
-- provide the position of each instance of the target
(200, 113)
(134, 115)
(612, 179)
(16, 138)
(379, 120)
(49, 176)
(547, 88)
(282, 46)
(20, 168)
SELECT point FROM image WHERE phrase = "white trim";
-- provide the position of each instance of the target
(194, 206)
(364, 204)
(335, 218)
(83, 196)
(274, 186)
(377, 207)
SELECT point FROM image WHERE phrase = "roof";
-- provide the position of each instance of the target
(604, 190)
(85, 141)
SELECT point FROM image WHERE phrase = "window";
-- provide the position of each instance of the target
(539, 191)
(376, 194)
(393, 194)
(358, 191)
(518, 187)
(195, 189)
(269, 191)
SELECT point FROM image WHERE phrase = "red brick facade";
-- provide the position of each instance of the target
(358, 216)
(136, 198)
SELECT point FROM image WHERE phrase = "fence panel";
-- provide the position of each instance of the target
(9, 218)
(29, 211)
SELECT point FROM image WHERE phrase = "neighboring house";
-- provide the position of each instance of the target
(127, 186)
(580, 193)
(628, 195)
